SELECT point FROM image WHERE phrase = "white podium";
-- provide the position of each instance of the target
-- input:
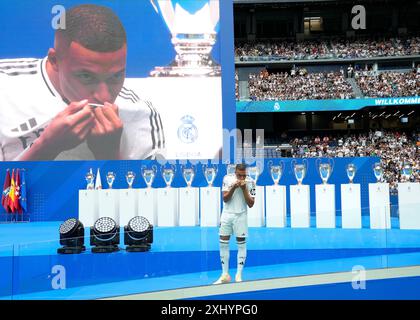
(325, 205)
(351, 208)
(88, 207)
(167, 207)
(256, 213)
(380, 214)
(128, 205)
(300, 213)
(409, 205)
(108, 204)
(275, 206)
(188, 206)
(147, 206)
(210, 206)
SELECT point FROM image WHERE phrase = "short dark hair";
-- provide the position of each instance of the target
(241, 166)
(96, 28)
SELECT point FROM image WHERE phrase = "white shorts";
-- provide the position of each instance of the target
(234, 223)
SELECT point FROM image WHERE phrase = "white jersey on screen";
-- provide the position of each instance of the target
(28, 103)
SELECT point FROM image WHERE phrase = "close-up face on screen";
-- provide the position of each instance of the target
(106, 80)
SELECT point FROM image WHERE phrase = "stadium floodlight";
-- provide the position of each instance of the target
(105, 236)
(138, 235)
(72, 237)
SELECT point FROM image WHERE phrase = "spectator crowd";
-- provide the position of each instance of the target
(298, 85)
(328, 49)
(388, 84)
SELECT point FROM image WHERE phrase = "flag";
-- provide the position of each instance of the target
(17, 193)
(98, 182)
(22, 200)
(12, 195)
(6, 190)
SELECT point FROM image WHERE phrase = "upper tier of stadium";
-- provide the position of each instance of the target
(327, 49)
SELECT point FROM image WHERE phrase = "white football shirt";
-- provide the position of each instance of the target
(29, 101)
(237, 203)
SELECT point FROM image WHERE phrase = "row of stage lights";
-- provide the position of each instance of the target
(105, 236)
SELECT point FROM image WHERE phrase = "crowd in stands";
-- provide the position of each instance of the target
(299, 85)
(388, 84)
(393, 148)
(327, 49)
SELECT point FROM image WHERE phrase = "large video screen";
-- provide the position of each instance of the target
(114, 79)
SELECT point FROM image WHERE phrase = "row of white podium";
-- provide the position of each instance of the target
(168, 207)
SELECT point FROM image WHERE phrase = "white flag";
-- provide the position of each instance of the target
(98, 183)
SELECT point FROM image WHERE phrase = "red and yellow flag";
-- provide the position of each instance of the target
(12, 194)
(6, 190)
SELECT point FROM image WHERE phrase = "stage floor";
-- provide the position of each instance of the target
(184, 257)
(38, 232)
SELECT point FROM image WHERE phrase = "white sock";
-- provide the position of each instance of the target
(224, 255)
(241, 255)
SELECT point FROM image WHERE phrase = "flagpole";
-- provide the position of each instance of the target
(23, 195)
(26, 201)
(23, 220)
(6, 213)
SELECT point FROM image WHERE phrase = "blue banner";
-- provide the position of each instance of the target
(322, 105)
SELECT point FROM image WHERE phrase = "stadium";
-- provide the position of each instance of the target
(283, 65)
(315, 100)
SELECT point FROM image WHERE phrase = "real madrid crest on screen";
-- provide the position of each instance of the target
(187, 132)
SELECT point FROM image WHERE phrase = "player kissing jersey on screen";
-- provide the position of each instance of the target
(73, 103)
(29, 102)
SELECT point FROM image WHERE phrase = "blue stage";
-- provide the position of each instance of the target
(188, 256)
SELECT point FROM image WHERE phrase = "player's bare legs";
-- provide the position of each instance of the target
(241, 242)
(236, 197)
(224, 258)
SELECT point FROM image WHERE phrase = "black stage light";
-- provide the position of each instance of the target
(72, 237)
(105, 236)
(138, 235)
